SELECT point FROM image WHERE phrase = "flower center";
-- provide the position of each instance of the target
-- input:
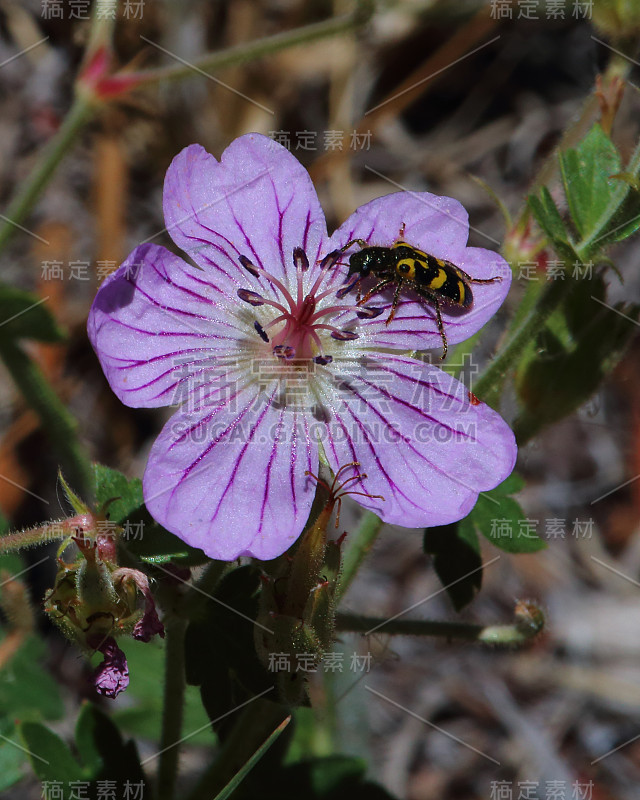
(300, 318)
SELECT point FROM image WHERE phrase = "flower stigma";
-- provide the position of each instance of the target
(301, 318)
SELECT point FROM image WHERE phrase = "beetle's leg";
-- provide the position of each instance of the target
(403, 228)
(376, 289)
(485, 280)
(445, 346)
(361, 242)
(396, 300)
(478, 280)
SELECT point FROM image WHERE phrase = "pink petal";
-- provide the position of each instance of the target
(230, 479)
(438, 226)
(422, 443)
(258, 201)
(158, 326)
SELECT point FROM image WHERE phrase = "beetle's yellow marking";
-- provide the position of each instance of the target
(462, 290)
(440, 262)
(440, 279)
(407, 268)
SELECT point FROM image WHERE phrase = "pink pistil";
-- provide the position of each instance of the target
(298, 336)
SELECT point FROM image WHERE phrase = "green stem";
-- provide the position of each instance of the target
(357, 549)
(489, 386)
(22, 204)
(250, 51)
(202, 590)
(256, 723)
(172, 710)
(103, 23)
(516, 633)
(56, 420)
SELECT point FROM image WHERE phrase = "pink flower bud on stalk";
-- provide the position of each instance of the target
(93, 599)
(522, 245)
(98, 84)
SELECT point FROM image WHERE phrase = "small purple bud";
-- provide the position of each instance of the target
(250, 297)
(249, 266)
(112, 676)
(344, 336)
(260, 331)
(300, 259)
(323, 360)
(369, 312)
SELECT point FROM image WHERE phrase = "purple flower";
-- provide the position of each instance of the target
(112, 676)
(269, 362)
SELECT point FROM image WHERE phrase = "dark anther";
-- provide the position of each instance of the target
(248, 266)
(300, 260)
(369, 312)
(330, 259)
(250, 297)
(260, 331)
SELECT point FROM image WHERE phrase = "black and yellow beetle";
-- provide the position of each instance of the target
(402, 265)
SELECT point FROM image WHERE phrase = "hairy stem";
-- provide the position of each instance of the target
(24, 201)
(250, 51)
(56, 420)
(172, 710)
(529, 622)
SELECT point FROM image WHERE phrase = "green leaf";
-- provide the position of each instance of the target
(123, 503)
(27, 690)
(125, 494)
(12, 758)
(142, 717)
(586, 175)
(547, 214)
(50, 757)
(624, 223)
(25, 316)
(251, 762)
(500, 519)
(564, 368)
(78, 505)
(104, 754)
(548, 218)
(456, 549)
(456, 560)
